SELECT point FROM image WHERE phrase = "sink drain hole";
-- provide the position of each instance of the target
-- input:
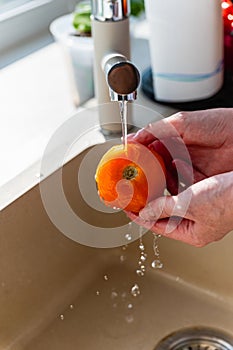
(199, 338)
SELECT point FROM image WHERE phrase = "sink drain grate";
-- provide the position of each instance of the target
(196, 339)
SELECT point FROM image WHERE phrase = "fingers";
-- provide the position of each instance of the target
(178, 229)
(173, 227)
(204, 127)
(161, 207)
(165, 216)
(139, 221)
(169, 206)
(187, 173)
(130, 137)
(172, 147)
(157, 130)
(171, 173)
(143, 136)
(208, 128)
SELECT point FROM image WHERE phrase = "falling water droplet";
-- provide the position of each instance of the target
(135, 290)
(122, 258)
(156, 251)
(156, 264)
(106, 277)
(71, 306)
(129, 318)
(130, 306)
(128, 236)
(143, 268)
(130, 224)
(140, 273)
(62, 317)
(143, 258)
(124, 295)
(114, 295)
(141, 246)
(97, 292)
(115, 208)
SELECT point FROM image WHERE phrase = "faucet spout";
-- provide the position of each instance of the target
(114, 74)
(122, 77)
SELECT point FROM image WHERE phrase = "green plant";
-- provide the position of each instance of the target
(137, 7)
(82, 13)
(81, 18)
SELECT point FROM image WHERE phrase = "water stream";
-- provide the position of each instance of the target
(123, 114)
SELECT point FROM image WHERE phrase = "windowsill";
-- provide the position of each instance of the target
(35, 100)
(18, 52)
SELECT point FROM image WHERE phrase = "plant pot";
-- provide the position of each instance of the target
(78, 54)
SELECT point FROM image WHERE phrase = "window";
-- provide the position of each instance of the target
(7, 5)
(23, 22)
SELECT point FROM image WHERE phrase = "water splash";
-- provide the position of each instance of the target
(135, 290)
(140, 273)
(106, 277)
(128, 237)
(122, 258)
(156, 264)
(129, 318)
(114, 295)
(141, 269)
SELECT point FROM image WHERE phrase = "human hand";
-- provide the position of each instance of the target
(205, 136)
(199, 215)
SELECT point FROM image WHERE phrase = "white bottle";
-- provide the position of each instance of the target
(186, 48)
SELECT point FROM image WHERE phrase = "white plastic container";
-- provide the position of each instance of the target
(78, 54)
(186, 48)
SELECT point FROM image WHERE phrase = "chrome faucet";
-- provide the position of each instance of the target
(116, 78)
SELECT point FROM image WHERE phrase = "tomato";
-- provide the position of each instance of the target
(128, 178)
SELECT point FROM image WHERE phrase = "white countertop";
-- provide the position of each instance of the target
(35, 100)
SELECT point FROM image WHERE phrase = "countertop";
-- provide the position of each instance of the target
(36, 99)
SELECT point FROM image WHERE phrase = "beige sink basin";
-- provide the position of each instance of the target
(57, 294)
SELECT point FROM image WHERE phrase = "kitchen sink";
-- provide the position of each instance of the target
(58, 293)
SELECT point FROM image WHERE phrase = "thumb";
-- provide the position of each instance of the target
(164, 207)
